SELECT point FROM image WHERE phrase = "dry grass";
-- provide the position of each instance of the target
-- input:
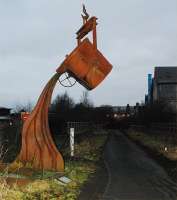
(155, 142)
(88, 148)
(45, 185)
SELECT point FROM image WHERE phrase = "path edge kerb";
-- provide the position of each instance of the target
(107, 168)
(96, 185)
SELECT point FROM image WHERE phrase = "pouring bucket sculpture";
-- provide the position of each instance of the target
(89, 67)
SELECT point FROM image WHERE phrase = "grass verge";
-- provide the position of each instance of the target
(158, 148)
(37, 185)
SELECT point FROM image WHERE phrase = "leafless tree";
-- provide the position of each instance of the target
(85, 101)
(62, 103)
(27, 107)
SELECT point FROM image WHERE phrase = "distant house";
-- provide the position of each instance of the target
(4, 116)
(120, 112)
(4, 111)
(164, 86)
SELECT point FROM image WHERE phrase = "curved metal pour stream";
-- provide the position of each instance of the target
(38, 147)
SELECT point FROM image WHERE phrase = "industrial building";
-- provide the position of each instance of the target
(163, 87)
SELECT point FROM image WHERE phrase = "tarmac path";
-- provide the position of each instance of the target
(133, 175)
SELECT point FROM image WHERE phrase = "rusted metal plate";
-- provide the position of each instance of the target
(86, 28)
(38, 147)
(87, 65)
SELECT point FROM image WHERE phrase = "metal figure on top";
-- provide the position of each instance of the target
(86, 16)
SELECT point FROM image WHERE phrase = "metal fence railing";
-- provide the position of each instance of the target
(76, 131)
(166, 132)
(164, 127)
(84, 127)
(80, 129)
(157, 127)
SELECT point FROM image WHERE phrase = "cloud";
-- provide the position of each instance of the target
(36, 35)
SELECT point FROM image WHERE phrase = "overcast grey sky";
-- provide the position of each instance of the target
(35, 36)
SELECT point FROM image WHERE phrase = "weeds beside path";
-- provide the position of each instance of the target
(159, 149)
(45, 185)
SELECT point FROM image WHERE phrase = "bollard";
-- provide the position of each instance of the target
(72, 141)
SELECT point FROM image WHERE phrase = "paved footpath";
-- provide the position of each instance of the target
(133, 175)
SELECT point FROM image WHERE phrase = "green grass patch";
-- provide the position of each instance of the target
(45, 185)
(88, 148)
(155, 142)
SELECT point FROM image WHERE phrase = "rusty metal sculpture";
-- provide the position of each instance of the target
(89, 67)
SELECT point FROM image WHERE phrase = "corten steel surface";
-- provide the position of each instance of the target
(38, 147)
(87, 65)
(89, 26)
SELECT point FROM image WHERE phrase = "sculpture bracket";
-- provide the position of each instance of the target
(66, 80)
(89, 26)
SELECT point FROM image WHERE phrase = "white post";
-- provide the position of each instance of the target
(72, 141)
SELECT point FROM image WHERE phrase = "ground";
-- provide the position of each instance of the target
(121, 171)
(161, 147)
(133, 175)
(21, 182)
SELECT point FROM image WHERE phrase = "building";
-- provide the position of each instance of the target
(4, 116)
(4, 111)
(149, 97)
(123, 111)
(163, 87)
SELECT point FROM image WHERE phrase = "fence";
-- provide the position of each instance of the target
(80, 129)
(164, 127)
(160, 128)
(86, 128)
(166, 132)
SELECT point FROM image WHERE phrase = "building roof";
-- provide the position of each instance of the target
(165, 74)
(3, 108)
